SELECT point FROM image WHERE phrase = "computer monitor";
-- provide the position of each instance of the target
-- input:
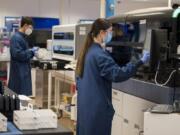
(120, 52)
(127, 41)
(156, 42)
(39, 38)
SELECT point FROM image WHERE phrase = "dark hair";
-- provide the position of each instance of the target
(175, 6)
(97, 26)
(26, 20)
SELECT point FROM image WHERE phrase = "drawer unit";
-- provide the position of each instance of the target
(129, 113)
(130, 128)
(117, 125)
(117, 101)
(133, 109)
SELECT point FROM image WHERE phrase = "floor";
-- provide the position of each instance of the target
(66, 122)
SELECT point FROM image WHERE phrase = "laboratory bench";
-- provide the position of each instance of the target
(12, 130)
(132, 98)
(148, 91)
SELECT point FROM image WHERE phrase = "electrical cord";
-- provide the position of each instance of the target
(174, 92)
(166, 82)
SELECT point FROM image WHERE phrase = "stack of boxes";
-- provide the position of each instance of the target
(3, 123)
(26, 120)
(35, 119)
(47, 119)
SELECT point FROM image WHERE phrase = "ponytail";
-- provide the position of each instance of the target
(81, 58)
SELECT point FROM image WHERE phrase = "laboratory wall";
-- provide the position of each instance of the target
(71, 11)
(37, 8)
(122, 6)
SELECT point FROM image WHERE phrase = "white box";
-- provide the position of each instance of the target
(47, 119)
(3, 123)
(161, 124)
(26, 120)
(35, 119)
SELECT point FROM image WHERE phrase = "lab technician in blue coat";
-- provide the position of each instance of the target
(20, 69)
(95, 72)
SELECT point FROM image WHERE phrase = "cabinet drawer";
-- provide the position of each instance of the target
(117, 125)
(129, 128)
(117, 95)
(117, 101)
(118, 107)
(133, 109)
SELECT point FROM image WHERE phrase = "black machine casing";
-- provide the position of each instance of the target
(48, 65)
(153, 30)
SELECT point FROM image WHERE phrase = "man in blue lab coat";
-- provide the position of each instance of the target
(95, 71)
(20, 69)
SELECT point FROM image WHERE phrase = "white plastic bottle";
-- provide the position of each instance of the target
(178, 49)
(74, 107)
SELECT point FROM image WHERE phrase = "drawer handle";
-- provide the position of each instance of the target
(141, 132)
(126, 121)
(136, 126)
(115, 93)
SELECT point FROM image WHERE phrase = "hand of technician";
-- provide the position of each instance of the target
(35, 49)
(146, 57)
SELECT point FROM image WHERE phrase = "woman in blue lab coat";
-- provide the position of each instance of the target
(20, 69)
(95, 72)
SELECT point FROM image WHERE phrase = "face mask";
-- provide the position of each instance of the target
(28, 31)
(108, 37)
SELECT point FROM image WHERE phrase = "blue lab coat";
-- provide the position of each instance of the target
(20, 68)
(95, 110)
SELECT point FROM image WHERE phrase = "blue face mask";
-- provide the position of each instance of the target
(108, 37)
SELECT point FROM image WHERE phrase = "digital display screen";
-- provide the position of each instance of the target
(64, 36)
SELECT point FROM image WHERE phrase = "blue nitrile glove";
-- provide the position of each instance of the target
(146, 57)
(35, 49)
